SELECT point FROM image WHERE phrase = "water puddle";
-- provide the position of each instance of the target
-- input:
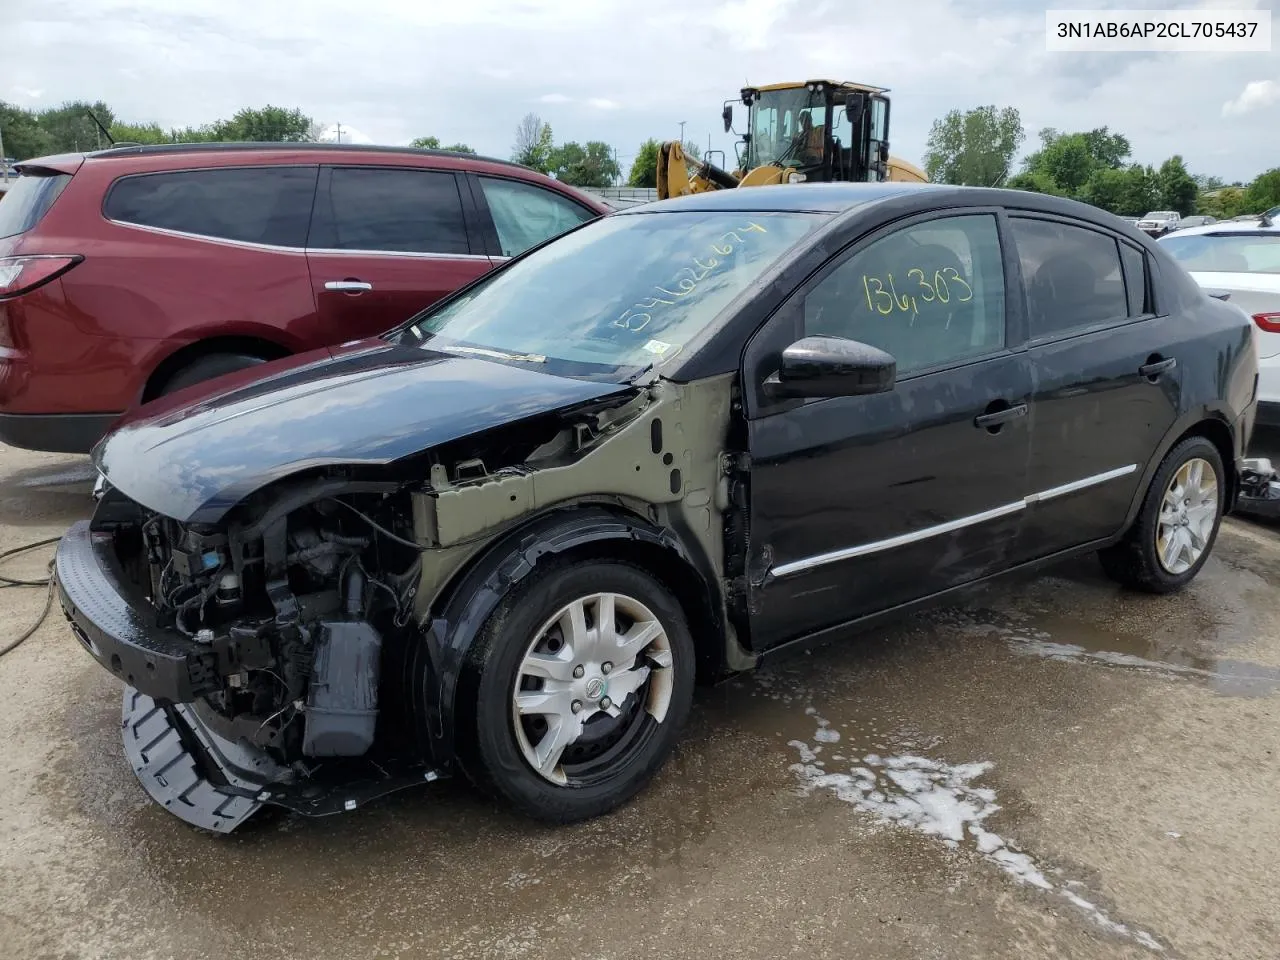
(909, 790)
(1067, 640)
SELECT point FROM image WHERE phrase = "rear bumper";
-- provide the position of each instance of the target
(119, 629)
(55, 432)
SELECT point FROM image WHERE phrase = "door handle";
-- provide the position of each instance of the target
(1153, 369)
(999, 417)
(348, 286)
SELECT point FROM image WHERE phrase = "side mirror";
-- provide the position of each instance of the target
(854, 104)
(831, 367)
(884, 151)
(727, 116)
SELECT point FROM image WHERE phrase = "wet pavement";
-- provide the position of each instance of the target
(1054, 768)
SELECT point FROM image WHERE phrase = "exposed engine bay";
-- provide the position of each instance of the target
(293, 604)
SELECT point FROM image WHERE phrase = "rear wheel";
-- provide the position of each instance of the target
(586, 678)
(206, 368)
(1177, 525)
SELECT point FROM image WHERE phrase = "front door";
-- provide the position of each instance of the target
(385, 243)
(1106, 381)
(859, 504)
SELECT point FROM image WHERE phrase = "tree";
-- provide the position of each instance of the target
(644, 169)
(1035, 182)
(1207, 184)
(1176, 188)
(974, 148)
(584, 166)
(459, 148)
(268, 124)
(426, 143)
(139, 133)
(1264, 192)
(23, 136)
(1130, 192)
(533, 144)
(1222, 204)
(1108, 149)
(1067, 159)
(71, 128)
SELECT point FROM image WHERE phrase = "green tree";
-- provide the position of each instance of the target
(644, 168)
(72, 129)
(459, 148)
(140, 133)
(1066, 160)
(533, 144)
(1177, 190)
(268, 124)
(1223, 203)
(426, 143)
(974, 147)
(591, 165)
(22, 134)
(1264, 192)
(1207, 184)
(1035, 182)
(1130, 192)
(1108, 149)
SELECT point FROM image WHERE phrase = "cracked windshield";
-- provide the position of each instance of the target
(616, 296)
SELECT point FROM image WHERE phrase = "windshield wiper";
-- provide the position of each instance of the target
(498, 354)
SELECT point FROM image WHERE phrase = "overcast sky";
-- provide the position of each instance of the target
(470, 69)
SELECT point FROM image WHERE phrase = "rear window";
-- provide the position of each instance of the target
(270, 205)
(1230, 253)
(28, 199)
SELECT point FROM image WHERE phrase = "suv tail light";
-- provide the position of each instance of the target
(20, 275)
(1267, 322)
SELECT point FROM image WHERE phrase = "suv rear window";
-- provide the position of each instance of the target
(28, 199)
(270, 205)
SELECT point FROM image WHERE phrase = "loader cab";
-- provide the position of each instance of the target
(826, 131)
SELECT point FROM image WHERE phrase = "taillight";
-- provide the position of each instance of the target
(1267, 322)
(19, 275)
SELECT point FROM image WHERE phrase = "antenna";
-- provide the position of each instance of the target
(105, 132)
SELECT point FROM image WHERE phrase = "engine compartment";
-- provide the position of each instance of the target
(294, 597)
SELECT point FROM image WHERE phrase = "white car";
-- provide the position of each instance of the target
(1242, 258)
(1159, 222)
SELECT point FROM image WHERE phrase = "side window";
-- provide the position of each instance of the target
(397, 210)
(525, 215)
(929, 294)
(1072, 275)
(1135, 278)
(251, 204)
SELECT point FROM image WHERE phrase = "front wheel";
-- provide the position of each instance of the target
(1177, 525)
(585, 681)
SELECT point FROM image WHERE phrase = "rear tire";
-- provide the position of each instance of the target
(206, 368)
(1177, 525)
(546, 734)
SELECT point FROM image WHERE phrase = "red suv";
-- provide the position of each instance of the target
(133, 272)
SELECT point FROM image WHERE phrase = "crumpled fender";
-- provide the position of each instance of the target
(450, 635)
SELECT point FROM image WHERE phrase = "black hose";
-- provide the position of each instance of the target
(46, 582)
(378, 527)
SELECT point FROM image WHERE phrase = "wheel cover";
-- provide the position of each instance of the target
(1188, 513)
(593, 674)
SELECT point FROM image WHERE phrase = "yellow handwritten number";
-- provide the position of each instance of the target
(880, 291)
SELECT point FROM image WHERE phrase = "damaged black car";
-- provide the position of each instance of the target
(507, 538)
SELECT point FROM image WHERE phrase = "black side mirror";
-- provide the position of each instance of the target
(854, 104)
(884, 151)
(832, 367)
(727, 116)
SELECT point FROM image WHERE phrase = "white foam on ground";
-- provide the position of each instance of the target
(943, 800)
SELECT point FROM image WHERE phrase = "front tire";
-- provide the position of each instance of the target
(1178, 523)
(206, 368)
(586, 676)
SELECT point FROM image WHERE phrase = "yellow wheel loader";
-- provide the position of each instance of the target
(812, 132)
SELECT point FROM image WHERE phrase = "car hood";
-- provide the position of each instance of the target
(363, 404)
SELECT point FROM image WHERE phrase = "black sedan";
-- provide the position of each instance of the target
(508, 537)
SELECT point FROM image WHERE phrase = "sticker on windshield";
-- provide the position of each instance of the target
(658, 347)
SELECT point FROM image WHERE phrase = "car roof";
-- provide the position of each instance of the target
(1227, 228)
(283, 147)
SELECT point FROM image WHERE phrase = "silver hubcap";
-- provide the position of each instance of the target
(1187, 515)
(587, 660)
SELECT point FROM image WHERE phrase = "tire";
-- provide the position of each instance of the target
(1136, 561)
(612, 757)
(206, 368)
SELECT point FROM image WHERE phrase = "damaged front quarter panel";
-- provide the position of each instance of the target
(658, 455)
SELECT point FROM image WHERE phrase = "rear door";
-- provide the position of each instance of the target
(515, 215)
(386, 242)
(1105, 377)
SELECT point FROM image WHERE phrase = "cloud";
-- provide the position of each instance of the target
(28, 92)
(622, 73)
(1255, 96)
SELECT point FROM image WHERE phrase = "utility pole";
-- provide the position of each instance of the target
(3, 162)
(682, 123)
(339, 126)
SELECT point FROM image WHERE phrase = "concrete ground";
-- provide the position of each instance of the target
(1053, 769)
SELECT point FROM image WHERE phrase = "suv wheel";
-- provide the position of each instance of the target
(206, 368)
(586, 678)
(1177, 525)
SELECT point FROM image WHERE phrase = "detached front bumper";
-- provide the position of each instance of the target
(120, 628)
(1259, 489)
